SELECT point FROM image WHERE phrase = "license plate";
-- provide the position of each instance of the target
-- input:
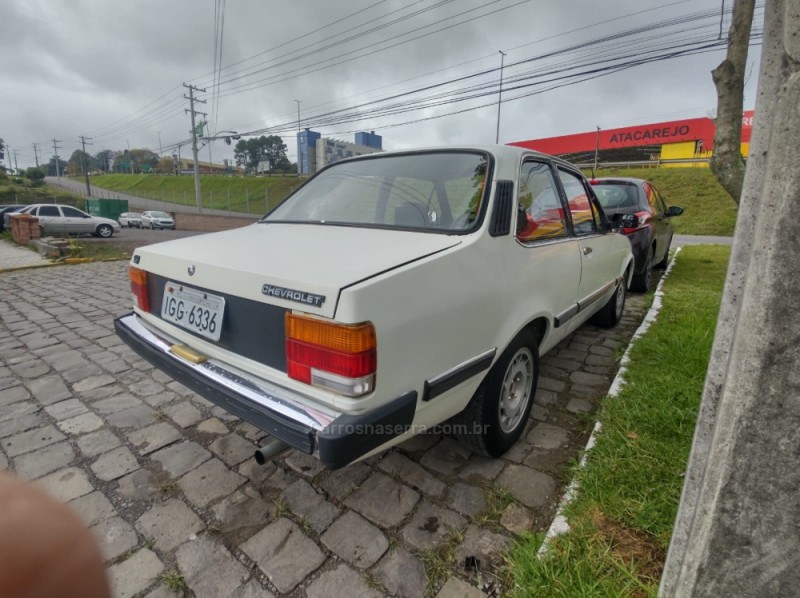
(194, 310)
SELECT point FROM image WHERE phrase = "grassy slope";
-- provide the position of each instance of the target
(216, 189)
(709, 209)
(12, 192)
(623, 515)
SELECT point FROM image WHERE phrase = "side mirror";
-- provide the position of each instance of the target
(674, 211)
(629, 221)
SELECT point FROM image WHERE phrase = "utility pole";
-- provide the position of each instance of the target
(197, 197)
(160, 150)
(55, 151)
(16, 167)
(499, 96)
(36, 153)
(596, 149)
(299, 145)
(86, 169)
(130, 158)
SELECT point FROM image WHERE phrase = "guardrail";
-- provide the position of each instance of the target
(642, 163)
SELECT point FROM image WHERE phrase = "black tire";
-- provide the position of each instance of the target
(483, 426)
(641, 282)
(611, 313)
(104, 230)
(662, 265)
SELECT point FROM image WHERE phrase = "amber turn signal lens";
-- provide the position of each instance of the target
(346, 338)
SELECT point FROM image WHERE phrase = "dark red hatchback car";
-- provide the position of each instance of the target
(649, 230)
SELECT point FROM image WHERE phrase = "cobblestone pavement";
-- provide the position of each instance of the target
(167, 483)
(13, 256)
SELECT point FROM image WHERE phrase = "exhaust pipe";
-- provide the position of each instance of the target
(269, 450)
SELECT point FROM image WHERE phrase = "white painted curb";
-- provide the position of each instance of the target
(560, 525)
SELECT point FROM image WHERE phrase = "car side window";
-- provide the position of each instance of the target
(661, 203)
(71, 212)
(580, 208)
(544, 211)
(48, 211)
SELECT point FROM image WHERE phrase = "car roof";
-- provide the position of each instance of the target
(619, 179)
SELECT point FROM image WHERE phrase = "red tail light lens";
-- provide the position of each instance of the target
(138, 280)
(340, 357)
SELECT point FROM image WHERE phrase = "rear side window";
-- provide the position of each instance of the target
(544, 211)
(582, 211)
(72, 212)
(48, 211)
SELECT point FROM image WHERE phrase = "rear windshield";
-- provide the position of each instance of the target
(616, 196)
(440, 192)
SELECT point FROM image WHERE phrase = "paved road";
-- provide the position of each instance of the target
(166, 481)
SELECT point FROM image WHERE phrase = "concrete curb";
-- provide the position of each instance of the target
(560, 525)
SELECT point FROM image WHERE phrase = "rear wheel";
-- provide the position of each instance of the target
(641, 282)
(611, 313)
(496, 415)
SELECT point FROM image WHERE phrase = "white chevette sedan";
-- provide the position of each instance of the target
(390, 293)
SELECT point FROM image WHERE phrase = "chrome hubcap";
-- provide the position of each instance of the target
(516, 390)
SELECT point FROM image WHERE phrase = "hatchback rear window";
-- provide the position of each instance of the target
(616, 195)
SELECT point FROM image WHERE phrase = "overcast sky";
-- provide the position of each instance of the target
(113, 70)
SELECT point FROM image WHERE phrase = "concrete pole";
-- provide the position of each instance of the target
(499, 96)
(737, 533)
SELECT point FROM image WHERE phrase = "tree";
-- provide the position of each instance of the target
(727, 163)
(102, 160)
(249, 153)
(50, 168)
(79, 162)
(144, 160)
(36, 175)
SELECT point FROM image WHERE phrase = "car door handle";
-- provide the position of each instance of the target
(587, 250)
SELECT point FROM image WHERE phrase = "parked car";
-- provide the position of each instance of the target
(130, 219)
(388, 294)
(650, 232)
(155, 219)
(5, 222)
(56, 219)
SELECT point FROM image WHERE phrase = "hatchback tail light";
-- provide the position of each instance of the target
(644, 222)
(139, 288)
(339, 357)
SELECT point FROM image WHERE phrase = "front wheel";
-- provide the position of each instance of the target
(496, 415)
(641, 282)
(105, 231)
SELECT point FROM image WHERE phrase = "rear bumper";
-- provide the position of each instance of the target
(336, 439)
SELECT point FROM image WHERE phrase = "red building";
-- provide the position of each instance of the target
(677, 139)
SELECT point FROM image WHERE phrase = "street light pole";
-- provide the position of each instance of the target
(596, 149)
(299, 145)
(130, 158)
(499, 96)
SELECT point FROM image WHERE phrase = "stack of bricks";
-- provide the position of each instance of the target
(24, 228)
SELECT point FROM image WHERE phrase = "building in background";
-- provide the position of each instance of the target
(315, 151)
(675, 140)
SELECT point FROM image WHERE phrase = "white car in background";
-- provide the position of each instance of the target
(156, 219)
(130, 219)
(388, 294)
(56, 219)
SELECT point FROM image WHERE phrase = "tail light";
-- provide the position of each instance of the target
(339, 357)
(644, 222)
(139, 288)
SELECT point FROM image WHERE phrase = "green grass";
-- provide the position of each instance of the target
(621, 521)
(708, 208)
(12, 192)
(238, 193)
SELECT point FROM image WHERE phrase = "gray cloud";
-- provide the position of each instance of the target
(84, 67)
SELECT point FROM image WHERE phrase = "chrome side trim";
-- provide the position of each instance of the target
(266, 394)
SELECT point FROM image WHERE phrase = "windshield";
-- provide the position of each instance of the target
(438, 191)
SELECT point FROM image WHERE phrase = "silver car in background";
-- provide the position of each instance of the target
(130, 219)
(55, 219)
(156, 219)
